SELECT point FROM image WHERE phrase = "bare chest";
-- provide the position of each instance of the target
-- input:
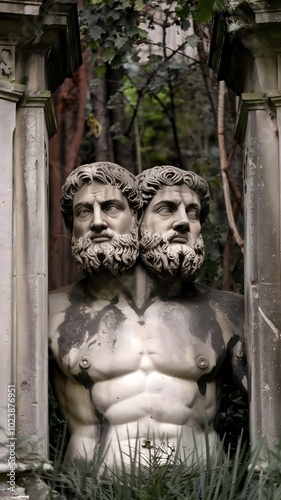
(107, 340)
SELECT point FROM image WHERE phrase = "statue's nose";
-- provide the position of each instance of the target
(98, 223)
(181, 222)
(181, 225)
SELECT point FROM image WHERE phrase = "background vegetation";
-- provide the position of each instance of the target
(145, 96)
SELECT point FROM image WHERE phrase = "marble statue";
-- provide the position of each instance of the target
(138, 346)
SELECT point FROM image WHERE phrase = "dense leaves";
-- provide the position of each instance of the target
(112, 28)
(206, 8)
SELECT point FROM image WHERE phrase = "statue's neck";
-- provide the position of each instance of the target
(137, 285)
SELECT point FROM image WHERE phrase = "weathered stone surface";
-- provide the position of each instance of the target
(39, 47)
(16, 493)
(8, 373)
(256, 25)
(37, 25)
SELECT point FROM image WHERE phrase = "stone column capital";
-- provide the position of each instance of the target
(10, 91)
(246, 31)
(48, 28)
(248, 101)
(42, 99)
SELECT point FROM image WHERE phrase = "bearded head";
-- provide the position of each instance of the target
(116, 255)
(100, 203)
(176, 204)
(170, 260)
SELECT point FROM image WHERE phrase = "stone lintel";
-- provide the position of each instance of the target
(42, 99)
(261, 11)
(10, 91)
(248, 101)
(48, 28)
(265, 11)
(275, 99)
(65, 55)
(247, 30)
(273, 16)
(19, 7)
(253, 101)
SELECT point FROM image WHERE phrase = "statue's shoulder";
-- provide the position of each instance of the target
(60, 294)
(220, 295)
(61, 298)
(229, 303)
(65, 290)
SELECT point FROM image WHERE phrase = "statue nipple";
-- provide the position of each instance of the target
(85, 362)
(202, 362)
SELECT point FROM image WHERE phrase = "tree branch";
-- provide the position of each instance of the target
(145, 87)
(224, 166)
(206, 71)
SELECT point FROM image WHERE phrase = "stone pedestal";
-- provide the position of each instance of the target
(246, 54)
(39, 47)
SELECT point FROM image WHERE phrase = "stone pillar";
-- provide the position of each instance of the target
(9, 95)
(39, 47)
(246, 54)
(30, 281)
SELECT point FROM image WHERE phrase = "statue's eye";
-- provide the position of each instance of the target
(112, 209)
(83, 212)
(165, 210)
(192, 214)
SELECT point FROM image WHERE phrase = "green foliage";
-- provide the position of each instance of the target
(191, 112)
(168, 116)
(239, 476)
(114, 29)
(205, 9)
(111, 28)
(165, 80)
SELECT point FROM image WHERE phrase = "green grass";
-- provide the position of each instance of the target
(226, 476)
(233, 474)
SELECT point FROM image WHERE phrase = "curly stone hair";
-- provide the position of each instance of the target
(104, 172)
(153, 179)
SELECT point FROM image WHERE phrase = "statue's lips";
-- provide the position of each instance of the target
(179, 239)
(100, 238)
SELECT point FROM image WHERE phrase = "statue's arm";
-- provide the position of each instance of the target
(58, 382)
(75, 404)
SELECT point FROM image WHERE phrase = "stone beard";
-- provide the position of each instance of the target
(117, 255)
(169, 259)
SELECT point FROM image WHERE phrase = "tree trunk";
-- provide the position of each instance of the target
(70, 102)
